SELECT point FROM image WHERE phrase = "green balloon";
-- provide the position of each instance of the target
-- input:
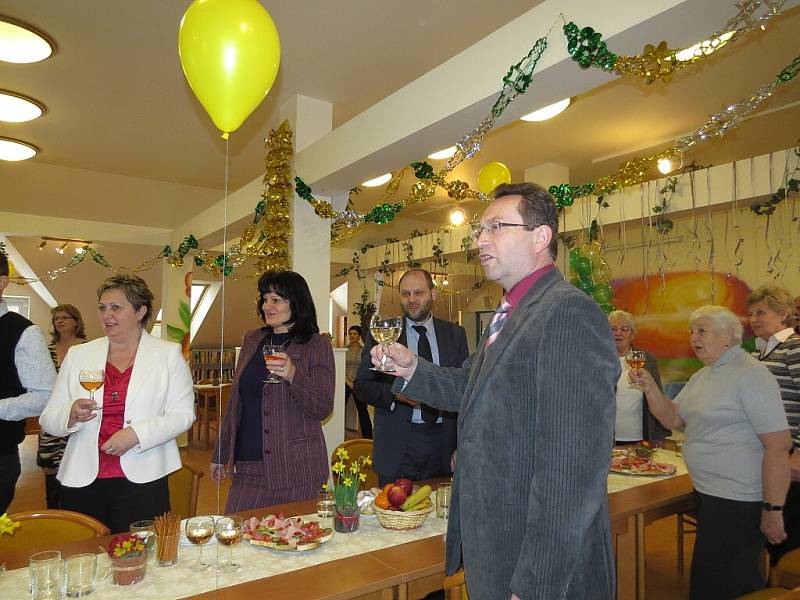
(574, 255)
(583, 266)
(607, 308)
(602, 293)
(585, 286)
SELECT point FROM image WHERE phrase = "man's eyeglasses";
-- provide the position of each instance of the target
(492, 228)
(623, 329)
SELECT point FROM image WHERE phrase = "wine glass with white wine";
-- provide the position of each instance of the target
(199, 530)
(636, 360)
(229, 533)
(385, 331)
(92, 380)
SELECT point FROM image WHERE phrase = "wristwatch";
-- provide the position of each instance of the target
(771, 507)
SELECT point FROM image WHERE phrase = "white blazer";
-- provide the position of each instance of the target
(159, 407)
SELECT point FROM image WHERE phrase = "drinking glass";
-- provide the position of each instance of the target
(91, 380)
(443, 493)
(81, 575)
(146, 530)
(46, 571)
(385, 331)
(199, 530)
(636, 360)
(269, 351)
(229, 533)
(325, 504)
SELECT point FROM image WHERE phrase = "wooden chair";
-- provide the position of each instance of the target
(772, 593)
(357, 449)
(455, 586)
(184, 489)
(687, 523)
(786, 573)
(44, 529)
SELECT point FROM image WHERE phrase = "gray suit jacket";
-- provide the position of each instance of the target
(535, 429)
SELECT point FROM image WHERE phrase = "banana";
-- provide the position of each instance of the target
(417, 497)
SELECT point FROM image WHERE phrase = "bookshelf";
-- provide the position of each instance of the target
(206, 364)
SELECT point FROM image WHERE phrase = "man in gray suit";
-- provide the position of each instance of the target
(529, 517)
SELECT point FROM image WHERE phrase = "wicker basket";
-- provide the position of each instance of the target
(402, 521)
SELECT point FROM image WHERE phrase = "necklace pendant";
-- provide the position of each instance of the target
(115, 395)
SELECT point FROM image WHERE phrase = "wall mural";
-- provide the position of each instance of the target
(662, 313)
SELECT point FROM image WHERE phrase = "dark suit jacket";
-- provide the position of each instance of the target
(536, 411)
(295, 454)
(392, 426)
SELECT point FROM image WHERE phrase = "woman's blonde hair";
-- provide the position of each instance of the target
(621, 315)
(776, 298)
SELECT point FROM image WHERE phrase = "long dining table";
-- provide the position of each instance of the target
(393, 572)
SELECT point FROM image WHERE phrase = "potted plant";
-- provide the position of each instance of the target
(346, 480)
(128, 554)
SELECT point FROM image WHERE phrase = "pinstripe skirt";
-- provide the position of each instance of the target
(250, 489)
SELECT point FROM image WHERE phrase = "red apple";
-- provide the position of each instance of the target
(397, 495)
(405, 484)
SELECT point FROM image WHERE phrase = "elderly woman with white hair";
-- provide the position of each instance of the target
(634, 421)
(737, 453)
(771, 309)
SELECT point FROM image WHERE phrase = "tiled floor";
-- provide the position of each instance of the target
(663, 581)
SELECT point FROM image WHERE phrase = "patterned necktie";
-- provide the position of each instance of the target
(429, 415)
(498, 320)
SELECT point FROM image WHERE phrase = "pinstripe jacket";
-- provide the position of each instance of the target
(295, 454)
(536, 417)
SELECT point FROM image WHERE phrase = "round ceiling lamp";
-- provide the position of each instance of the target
(457, 216)
(669, 164)
(16, 108)
(442, 154)
(548, 112)
(15, 150)
(378, 180)
(21, 43)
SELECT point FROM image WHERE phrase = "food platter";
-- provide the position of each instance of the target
(285, 534)
(640, 467)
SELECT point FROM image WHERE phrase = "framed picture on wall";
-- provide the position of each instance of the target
(482, 320)
(19, 304)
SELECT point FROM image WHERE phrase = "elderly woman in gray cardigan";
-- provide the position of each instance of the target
(736, 450)
(634, 421)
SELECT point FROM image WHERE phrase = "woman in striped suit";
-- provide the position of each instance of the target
(771, 309)
(271, 442)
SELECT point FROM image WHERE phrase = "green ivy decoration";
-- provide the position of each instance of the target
(422, 170)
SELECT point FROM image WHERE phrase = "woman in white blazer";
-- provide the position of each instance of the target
(121, 445)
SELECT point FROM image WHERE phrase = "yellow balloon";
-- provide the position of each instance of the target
(491, 175)
(12, 272)
(230, 52)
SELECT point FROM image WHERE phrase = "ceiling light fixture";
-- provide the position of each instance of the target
(61, 248)
(457, 216)
(378, 180)
(21, 43)
(42, 245)
(81, 249)
(669, 164)
(14, 150)
(548, 112)
(703, 48)
(442, 154)
(16, 108)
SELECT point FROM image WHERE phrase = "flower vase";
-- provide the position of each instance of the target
(346, 519)
(128, 571)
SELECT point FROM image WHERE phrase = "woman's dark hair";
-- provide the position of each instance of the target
(293, 288)
(358, 329)
(80, 329)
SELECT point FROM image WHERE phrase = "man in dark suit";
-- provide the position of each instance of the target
(412, 439)
(529, 514)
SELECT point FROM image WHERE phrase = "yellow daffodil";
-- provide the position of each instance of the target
(354, 468)
(342, 454)
(362, 477)
(7, 525)
(348, 482)
(367, 460)
(338, 467)
(325, 487)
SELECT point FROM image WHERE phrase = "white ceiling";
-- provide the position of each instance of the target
(125, 139)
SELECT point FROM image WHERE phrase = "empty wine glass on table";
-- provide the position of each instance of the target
(385, 331)
(91, 380)
(229, 533)
(269, 351)
(199, 530)
(636, 360)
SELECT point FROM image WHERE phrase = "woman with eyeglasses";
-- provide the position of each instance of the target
(68, 330)
(271, 442)
(634, 422)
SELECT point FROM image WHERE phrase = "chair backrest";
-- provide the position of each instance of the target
(44, 529)
(184, 488)
(357, 449)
